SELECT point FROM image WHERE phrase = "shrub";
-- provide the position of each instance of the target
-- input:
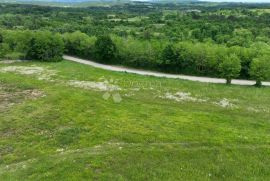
(45, 46)
(79, 44)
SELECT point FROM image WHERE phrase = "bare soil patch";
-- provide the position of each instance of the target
(100, 86)
(182, 96)
(10, 96)
(9, 61)
(41, 72)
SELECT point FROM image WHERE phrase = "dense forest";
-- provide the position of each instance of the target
(226, 40)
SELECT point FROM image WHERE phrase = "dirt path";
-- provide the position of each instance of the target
(157, 74)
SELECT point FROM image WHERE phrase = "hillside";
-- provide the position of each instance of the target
(134, 91)
(73, 2)
(74, 122)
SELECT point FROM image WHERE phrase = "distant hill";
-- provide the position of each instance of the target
(64, 2)
(83, 3)
(104, 1)
(57, 1)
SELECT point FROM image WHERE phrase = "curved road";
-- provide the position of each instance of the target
(157, 74)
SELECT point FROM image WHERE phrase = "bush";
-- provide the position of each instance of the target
(79, 44)
(45, 46)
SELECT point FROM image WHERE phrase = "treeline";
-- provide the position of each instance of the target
(226, 40)
(192, 58)
(205, 59)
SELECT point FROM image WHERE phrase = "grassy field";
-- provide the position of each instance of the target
(67, 121)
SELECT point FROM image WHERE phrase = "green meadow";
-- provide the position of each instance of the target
(67, 121)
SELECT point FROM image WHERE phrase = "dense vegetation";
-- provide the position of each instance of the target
(33, 45)
(185, 38)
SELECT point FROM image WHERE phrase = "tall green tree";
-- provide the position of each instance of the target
(230, 67)
(260, 69)
(105, 49)
(170, 58)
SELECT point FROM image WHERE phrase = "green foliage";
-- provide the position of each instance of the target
(4, 49)
(260, 69)
(246, 55)
(241, 37)
(40, 45)
(79, 44)
(200, 58)
(15, 41)
(169, 55)
(105, 49)
(45, 46)
(139, 53)
(170, 58)
(200, 39)
(230, 67)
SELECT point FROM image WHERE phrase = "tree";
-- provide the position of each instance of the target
(260, 69)
(105, 49)
(169, 57)
(45, 46)
(230, 67)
